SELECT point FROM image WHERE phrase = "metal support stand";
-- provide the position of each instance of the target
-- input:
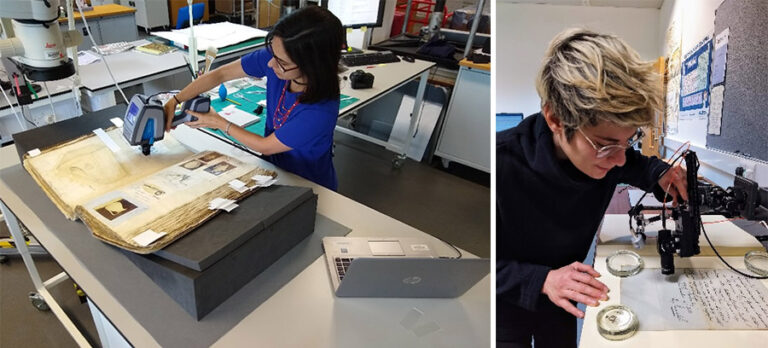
(413, 127)
(473, 30)
(407, 16)
(42, 298)
(256, 15)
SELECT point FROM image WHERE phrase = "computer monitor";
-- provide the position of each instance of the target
(357, 13)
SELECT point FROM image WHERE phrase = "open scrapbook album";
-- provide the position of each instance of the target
(136, 202)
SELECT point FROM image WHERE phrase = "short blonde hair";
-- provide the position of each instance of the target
(588, 77)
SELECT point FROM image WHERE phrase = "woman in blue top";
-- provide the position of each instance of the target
(300, 63)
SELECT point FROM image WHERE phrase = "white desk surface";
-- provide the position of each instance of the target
(386, 78)
(133, 67)
(304, 313)
(662, 339)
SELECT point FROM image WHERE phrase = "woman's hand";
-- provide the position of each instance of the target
(169, 109)
(211, 119)
(574, 282)
(674, 183)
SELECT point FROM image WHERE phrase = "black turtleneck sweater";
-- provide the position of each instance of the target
(548, 211)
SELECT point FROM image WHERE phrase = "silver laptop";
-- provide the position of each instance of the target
(398, 267)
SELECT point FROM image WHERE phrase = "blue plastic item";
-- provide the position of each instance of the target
(506, 121)
(222, 92)
(149, 132)
(182, 20)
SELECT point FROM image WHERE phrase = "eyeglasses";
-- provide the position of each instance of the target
(277, 60)
(609, 150)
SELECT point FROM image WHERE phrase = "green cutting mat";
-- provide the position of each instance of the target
(221, 50)
(241, 45)
(249, 99)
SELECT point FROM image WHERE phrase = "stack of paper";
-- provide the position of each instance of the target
(239, 117)
(217, 35)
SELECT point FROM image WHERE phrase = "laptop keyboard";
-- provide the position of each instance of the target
(342, 264)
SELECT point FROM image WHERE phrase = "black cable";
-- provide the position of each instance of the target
(723, 260)
(664, 204)
(28, 121)
(175, 91)
(21, 111)
(661, 174)
(458, 252)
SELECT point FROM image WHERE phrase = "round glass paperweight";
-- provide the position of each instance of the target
(757, 262)
(624, 263)
(617, 322)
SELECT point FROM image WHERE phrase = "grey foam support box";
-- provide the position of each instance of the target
(207, 266)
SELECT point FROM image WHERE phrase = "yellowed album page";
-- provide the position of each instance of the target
(80, 170)
(170, 202)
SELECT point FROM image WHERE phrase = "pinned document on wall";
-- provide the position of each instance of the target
(719, 63)
(673, 43)
(673, 104)
(694, 93)
(716, 110)
(719, 57)
(694, 86)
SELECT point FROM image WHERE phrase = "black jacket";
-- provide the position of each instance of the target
(547, 210)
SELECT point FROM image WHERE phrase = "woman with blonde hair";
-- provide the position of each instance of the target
(556, 173)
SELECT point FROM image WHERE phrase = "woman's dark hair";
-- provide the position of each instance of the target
(313, 38)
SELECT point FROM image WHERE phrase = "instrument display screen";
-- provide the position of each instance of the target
(133, 111)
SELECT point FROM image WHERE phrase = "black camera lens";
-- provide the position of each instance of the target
(666, 247)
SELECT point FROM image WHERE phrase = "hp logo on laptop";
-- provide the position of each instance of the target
(412, 280)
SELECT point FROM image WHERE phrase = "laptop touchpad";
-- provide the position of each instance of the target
(386, 248)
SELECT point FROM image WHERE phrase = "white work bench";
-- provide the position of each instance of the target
(302, 313)
(590, 338)
(133, 68)
(388, 77)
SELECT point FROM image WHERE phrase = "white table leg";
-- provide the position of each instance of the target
(415, 119)
(40, 286)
